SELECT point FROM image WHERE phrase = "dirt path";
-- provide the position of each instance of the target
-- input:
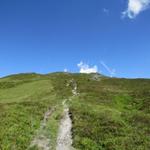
(41, 141)
(64, 140)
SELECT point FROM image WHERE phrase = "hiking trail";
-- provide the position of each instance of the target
(41, 141)
(64, 139)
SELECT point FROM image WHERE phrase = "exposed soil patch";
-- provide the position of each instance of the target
(64, 140)
(41, 141)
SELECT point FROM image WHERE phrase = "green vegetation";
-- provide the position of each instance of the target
(111, 114)
(108, 113)
(22, 108)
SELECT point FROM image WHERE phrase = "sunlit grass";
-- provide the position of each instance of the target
(108, 113)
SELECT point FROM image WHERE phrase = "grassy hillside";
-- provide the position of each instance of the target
(107, 114)
(111, 114)
(24, 99)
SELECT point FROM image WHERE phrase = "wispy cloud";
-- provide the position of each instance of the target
(135, 7)
(105, 10)
(85, 68)
(112, 72)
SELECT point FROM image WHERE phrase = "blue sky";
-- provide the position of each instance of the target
(52, 35)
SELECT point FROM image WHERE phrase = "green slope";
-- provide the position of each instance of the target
(108, 113)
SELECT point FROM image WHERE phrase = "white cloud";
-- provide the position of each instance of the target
(85, 68)
(135, 7)
(65, 70)
(112, 72)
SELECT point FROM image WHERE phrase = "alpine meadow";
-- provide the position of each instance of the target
(106, 113)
